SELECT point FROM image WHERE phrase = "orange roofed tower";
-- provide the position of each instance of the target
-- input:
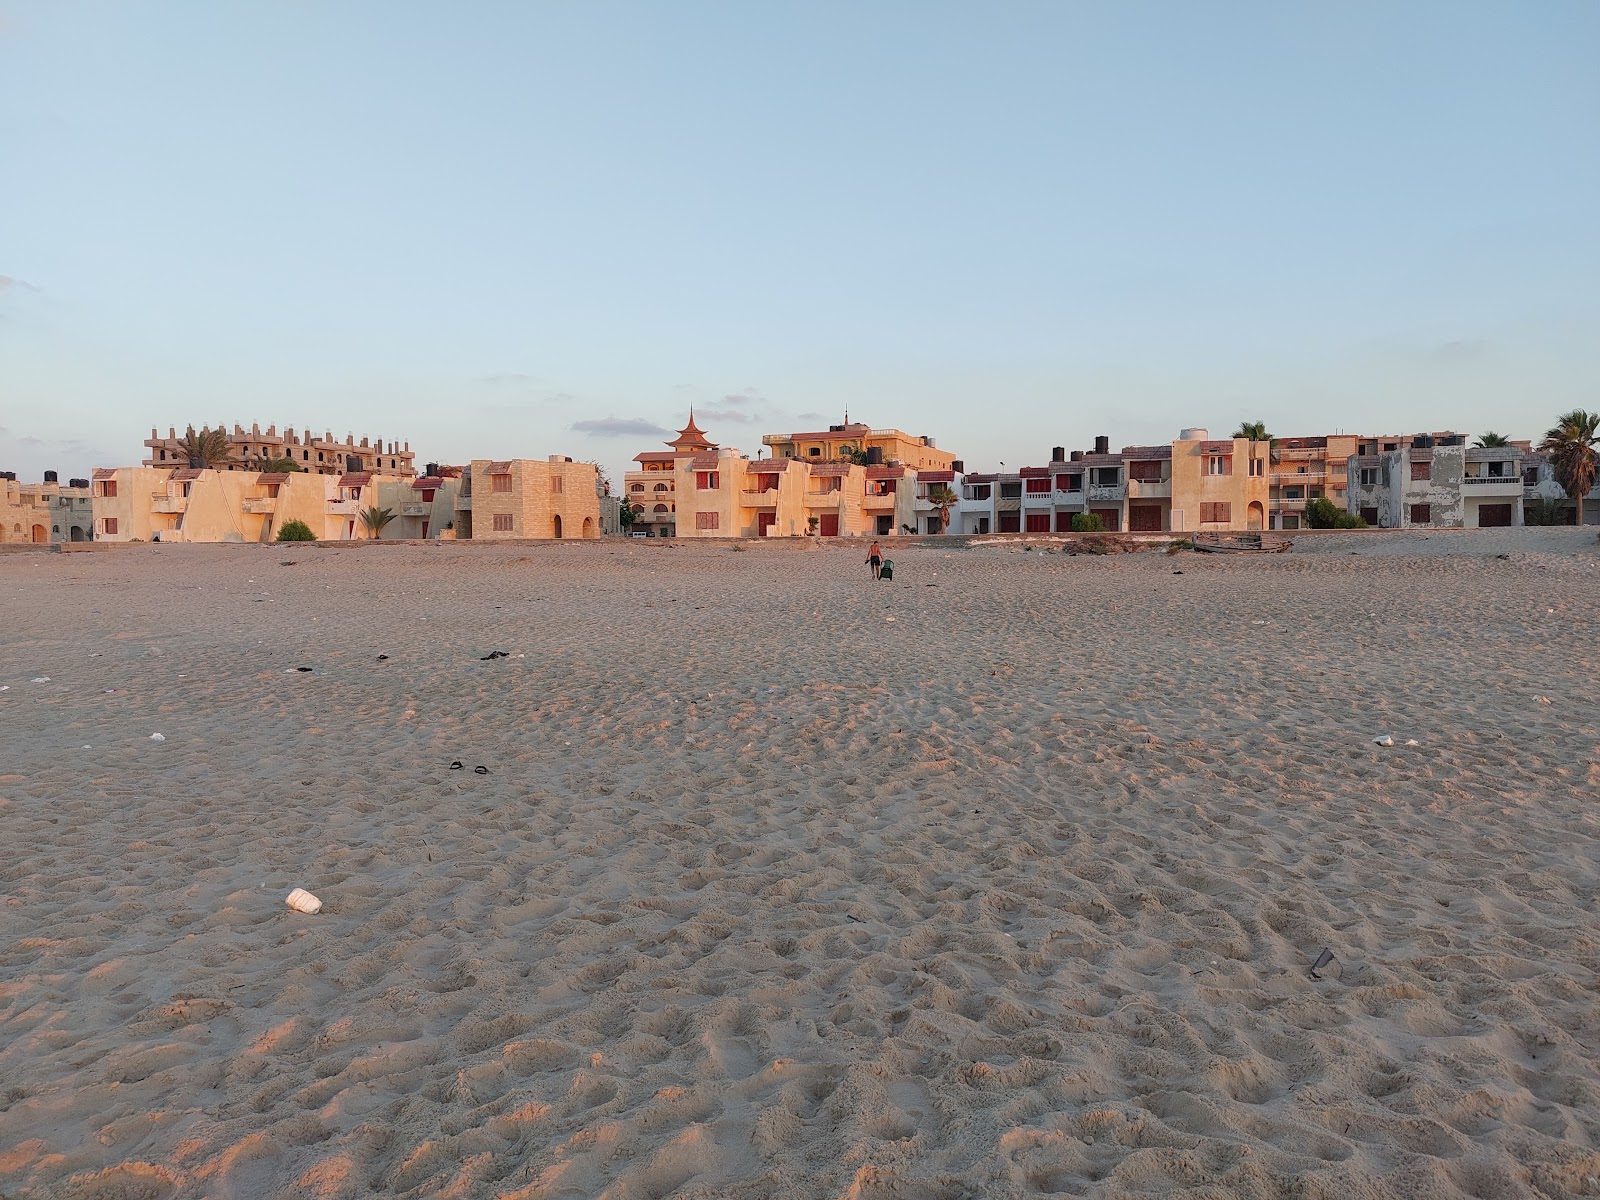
(652, 491)
(691, 439)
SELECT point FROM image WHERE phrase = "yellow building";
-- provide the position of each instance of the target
(652, 489)
(202, 505)
(314, 455)
(46, 512)
(528, 498)
(891, 446)
(1219, 483)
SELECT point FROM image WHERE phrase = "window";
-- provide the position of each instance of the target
(1011, 491)
(1038, 487)
(1219, 464)
(1422, 514)
(1369, 476)
(1291, 521)
(1530, 475)
(1300, 470)
(978, 491)
(639, 487)
(707, 481)
(1314, 493)
(1422, 470)
(163, 456)
(108, 487)
(1294, 493)
(502, 522)
(1258, 466)
(707, 520)
(815, 452)
(662, 508)
(108, 525)
(1145, 472)
(1216, 512)
(499, 483)
(1105, 476)
(555, 485)
(1370, 516)
(1069, 483)
(427, 495)
(1498, 470)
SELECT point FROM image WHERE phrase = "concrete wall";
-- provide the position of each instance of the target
(1193, 486)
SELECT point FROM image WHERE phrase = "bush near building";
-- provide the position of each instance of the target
(1087, 522)
(296, 531)
(1322, 513)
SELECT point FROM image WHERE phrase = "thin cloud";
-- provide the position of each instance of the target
(507, 377)
(9, 282)
(727, 414)
(808, 416)
(619, 427)
(748, 396)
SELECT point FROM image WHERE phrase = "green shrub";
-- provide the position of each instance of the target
(1087, 523)
(295, 531)
(1544, 512)
(1322, 513)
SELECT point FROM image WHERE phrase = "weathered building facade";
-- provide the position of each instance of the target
(504, 500)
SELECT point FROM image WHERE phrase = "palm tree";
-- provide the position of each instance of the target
(374, 519)
(1256, 431)
(208, 448)
(1493, 441)
(941, 497)
(1571, 447)
(275, 466)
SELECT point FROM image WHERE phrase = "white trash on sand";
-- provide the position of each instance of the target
(303, 901)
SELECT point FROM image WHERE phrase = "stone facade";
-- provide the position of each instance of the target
(528, 498)
(42, 513)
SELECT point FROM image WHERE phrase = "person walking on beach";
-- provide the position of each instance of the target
(875, 559)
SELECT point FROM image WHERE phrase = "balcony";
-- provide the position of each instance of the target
(463, 503)
(766, 499)
(1008, 504)
(1149, 489)
(1037, 499)
(168, 504)
(415, 508)
(261, 504)
(824, 499)
(1102, 492)
(1288, 476)
(874, 503)
(1494, 485)
(773, 439)
(344, 507)
(1072, 496)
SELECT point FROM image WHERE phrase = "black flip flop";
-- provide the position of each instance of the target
(457, 765)
(480, 770)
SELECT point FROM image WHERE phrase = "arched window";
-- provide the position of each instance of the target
(638, 487)
(661, 508)
(661, 487)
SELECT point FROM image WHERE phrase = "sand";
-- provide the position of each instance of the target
(1002, 879)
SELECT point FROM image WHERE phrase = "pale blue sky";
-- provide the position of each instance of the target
(1008, 225)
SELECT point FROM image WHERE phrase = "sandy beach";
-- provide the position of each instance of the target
(1000, 879)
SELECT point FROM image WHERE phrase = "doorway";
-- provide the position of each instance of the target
(829, 525)
(556, 522)
(764, 523)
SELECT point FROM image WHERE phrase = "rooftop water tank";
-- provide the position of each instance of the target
(1195, 433)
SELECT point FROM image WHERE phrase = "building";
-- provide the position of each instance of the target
(528, 498)
(198, 504)
(46, 512)
(1305, 469)
(1435, 481)
(424, 508)
(652, 489)
(881, 446)
(314, 455)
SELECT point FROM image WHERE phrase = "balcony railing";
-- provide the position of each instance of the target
(766, 499)
(346, 507)
(1038, 499)
(168, 504)
(875, 503)
(1150, 489)
(1104, 492)
(260, 504)
(415, 508)
(463, 503)
(1508, 480)
(1317, 473)
(824, 499)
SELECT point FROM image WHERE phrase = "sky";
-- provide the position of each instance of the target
(497, 229)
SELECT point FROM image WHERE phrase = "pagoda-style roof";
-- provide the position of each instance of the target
(691, 437)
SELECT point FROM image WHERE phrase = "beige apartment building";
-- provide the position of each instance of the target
(883, 447)
(312, 454)
(204, 505)
(652, 489)
(41, 513)
(528, 498)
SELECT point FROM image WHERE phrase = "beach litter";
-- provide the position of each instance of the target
(41, 679)
(1383, 740)
(1542, 700)
(494, 654)
(158, 737)
(1323, 960)
(480, 770)
(303, 901)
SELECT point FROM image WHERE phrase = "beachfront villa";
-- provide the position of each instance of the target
(314, 455)
(526, 498)
(199, 504)
(41, 513)
(1437, 482)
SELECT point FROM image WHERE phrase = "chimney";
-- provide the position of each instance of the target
(1102, 445)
